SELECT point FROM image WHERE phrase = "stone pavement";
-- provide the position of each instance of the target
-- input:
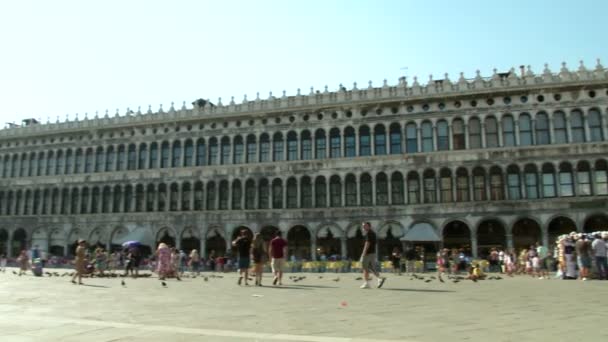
(314, 309)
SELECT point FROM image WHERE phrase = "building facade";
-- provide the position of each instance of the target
(506, 160)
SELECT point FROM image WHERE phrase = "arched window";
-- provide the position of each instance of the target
(15, 165)
(395, 138)
(601, 177)
(513, 182)
(577, 126)
(223, 193)
(350, 184)
(277, 193)
(128, 198)
(320, 192)
(458, 138)
(525, 130)
(40, 165)
(264, 148)
(560, 132)
(201, 152)
(397, 197)
(198, 195)
(548, 181)
(106, 202)
(237, 195)
(366, 190)
(263, 194)
(60, 163)
(381, 189)
(508, 131)
(31, 168)
(26, 202)
(150, 195)
(531, 181)
(213, 151)
(139, 198)
(75, 201)
(211, 196)
(566, 180)
(430, 189)
(411, 136)
(349, 142)
(18, 199)
(335, 191)
(78, 162)
(186, 195)
(413, 188)
(334, 140)
(496, 184)
(153, 155)
(239, 150)
(379, 140)
(278, 146)
(164, 155)
(99, 159)
(443, 143)
(69, 163)
(474, 133)
(116, 200)
(131, 157)
(445, 185)
(583, 177)
(250, 194)
(188, 153)
(50, 164)
(162, 197)
(462, 185)
(292, 145)
(479, 184)
(177, 154)
(143, 154)
(88, 161)
(320, 144)
(292, 193)
(306, 141)
(427, 136)
(84, 202)
(306, 192)
(251, 149)
(364, 141)
(595, 125)
(542, 129)
(96, 203)
(122, 158)
(491, 132)
(225, 151)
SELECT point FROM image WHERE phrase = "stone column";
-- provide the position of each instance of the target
(170, 163)
(551, 135)
(313, 248)
(180, 195)
(522, 184)
(418, 138)
(256, 198)
(358, 189)
(203, 247)
(299, 193)
(156, 194)
(390, 190)
(499, 132)
(545, 237)
(509, 240)
(450, 137)
(465, 130)
(568, 128)
(483, 134)
(357, 143)
(343, 247)
(343, 204)
(374, 194)
(516, 131)
(434, 134)
(90, 201)
(183, 154)
(327, 194)
(313, 192)
(586, 125)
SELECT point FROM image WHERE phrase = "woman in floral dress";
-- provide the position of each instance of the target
(163, 254)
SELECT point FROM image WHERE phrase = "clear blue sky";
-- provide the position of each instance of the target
(67, 57)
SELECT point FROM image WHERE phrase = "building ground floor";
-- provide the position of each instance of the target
(315, 233)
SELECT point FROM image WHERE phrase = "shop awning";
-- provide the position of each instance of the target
(421, 232)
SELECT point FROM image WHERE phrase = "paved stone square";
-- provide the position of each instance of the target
(331, 308)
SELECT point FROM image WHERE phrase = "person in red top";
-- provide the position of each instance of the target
(277, 252)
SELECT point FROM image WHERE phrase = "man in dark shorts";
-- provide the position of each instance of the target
(243, 244)
(368, 257)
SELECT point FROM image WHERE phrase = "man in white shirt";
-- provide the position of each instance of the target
(599, 250)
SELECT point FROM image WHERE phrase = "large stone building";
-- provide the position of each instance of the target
(507, 160)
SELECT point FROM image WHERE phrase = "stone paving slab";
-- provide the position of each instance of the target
(318, 308)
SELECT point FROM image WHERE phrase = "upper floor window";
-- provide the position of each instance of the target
(508, 131)
(595, 125)
(474, 133)
(491, 132)
(560, 132)
(525, 130)
(443, 143)
(542, 129)
(577, 126)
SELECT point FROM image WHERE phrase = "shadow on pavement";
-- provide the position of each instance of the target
(417, 290)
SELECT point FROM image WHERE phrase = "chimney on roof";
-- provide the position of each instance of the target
(522, 70)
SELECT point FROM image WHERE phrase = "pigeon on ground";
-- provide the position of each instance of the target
(359, 278)
(428, 281)
(441, 280)
(163, 284)
(320, 277)
(14, 272)
(455, 281)
(206, 279)
(337, 279)
(122, 282)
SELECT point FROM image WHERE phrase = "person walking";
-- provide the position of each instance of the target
(79, 261)
(599, 250)
(368, 257)
(583, 256)
(163, 255)
(396, 260)
(24, 262)
(277, 253)
(258, 255)
(243, 246)
(195, 261)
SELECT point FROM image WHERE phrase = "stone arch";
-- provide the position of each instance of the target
(190, 239)
(268, 231)
(595, 222)
(57, 242)
(166, 235)
(3, 241)
(526, 232)
(215, 242)
(491, 233)
(328, 240)
(389, 235)
(18, 241)
(559, 225)
(457, 234)
(74, 235)
(354, 242)
(237, 229)
(96, 238)
(298, 242)
(40, 238)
